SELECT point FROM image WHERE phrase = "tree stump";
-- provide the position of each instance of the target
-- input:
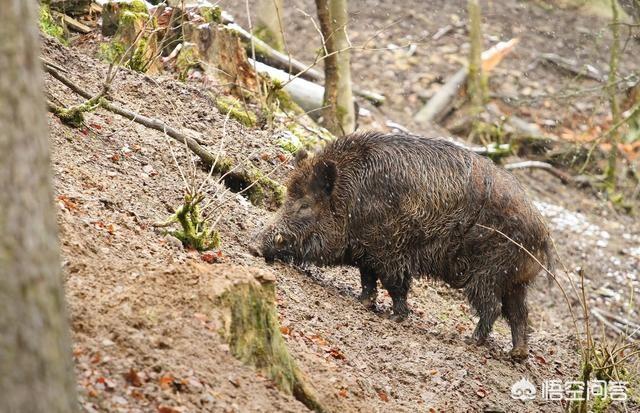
(223, 56)
(243, 298)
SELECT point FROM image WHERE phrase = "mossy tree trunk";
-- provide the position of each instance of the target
(269, 26)
(610, 174)
(339, 113)
(36, 373)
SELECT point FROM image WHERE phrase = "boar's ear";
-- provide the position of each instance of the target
(324, 177)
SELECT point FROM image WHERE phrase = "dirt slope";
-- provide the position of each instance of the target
(142, 341)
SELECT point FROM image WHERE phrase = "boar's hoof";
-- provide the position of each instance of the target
(398, 317)
(368, 301)
(475, 340)
(519, 354)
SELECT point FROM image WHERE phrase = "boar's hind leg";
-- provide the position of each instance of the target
(398, 289)
(369, 292)
(514, 308)
(482, 296)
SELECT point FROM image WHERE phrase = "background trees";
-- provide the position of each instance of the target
(339, 112)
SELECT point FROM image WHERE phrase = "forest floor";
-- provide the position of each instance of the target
(142, 341)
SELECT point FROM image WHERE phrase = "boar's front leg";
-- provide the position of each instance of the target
(398, 288)
(368, 281)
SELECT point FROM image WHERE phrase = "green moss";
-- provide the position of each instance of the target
(50, 26)
(290, 142)
(112, 51)
(600, 405)
(134, 15)
(71, 117)
(187, 59)
(136, 6)
(223, 165)
(256, 193)
(265, 34)
(278, 99)
(310, 136)
(265, 187)
(139, 60)
(211, 14)
(256, 186)
(278, 190)
(74, 115)
(235, 109)
(286, 103)
(131, 19)
(195, 232)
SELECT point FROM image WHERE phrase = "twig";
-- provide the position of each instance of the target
(151, 123)
(564, 177)
(612, 326)
(635, 111)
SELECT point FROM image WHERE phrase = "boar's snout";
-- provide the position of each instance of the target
(272, 245)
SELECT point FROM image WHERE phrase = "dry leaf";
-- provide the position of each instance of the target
(165, 381)
(337, 354)
(133, 378)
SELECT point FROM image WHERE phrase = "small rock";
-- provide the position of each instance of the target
(173, 242)
(119, 400)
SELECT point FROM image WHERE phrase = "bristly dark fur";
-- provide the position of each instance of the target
(400, 206)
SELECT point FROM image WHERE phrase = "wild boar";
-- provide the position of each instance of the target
(402, 206)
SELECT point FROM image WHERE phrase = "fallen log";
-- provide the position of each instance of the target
(438, 106)
(71, 23)
(308, 95)
(572, 67)
(271, 57)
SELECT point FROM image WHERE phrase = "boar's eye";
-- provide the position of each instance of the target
(304, 206)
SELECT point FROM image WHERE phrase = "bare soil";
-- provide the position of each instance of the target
(142, 341)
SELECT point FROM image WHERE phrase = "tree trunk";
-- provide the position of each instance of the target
(36, 372)
(475, 81)
(269, 26)
(339, 114)
(610, 172)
